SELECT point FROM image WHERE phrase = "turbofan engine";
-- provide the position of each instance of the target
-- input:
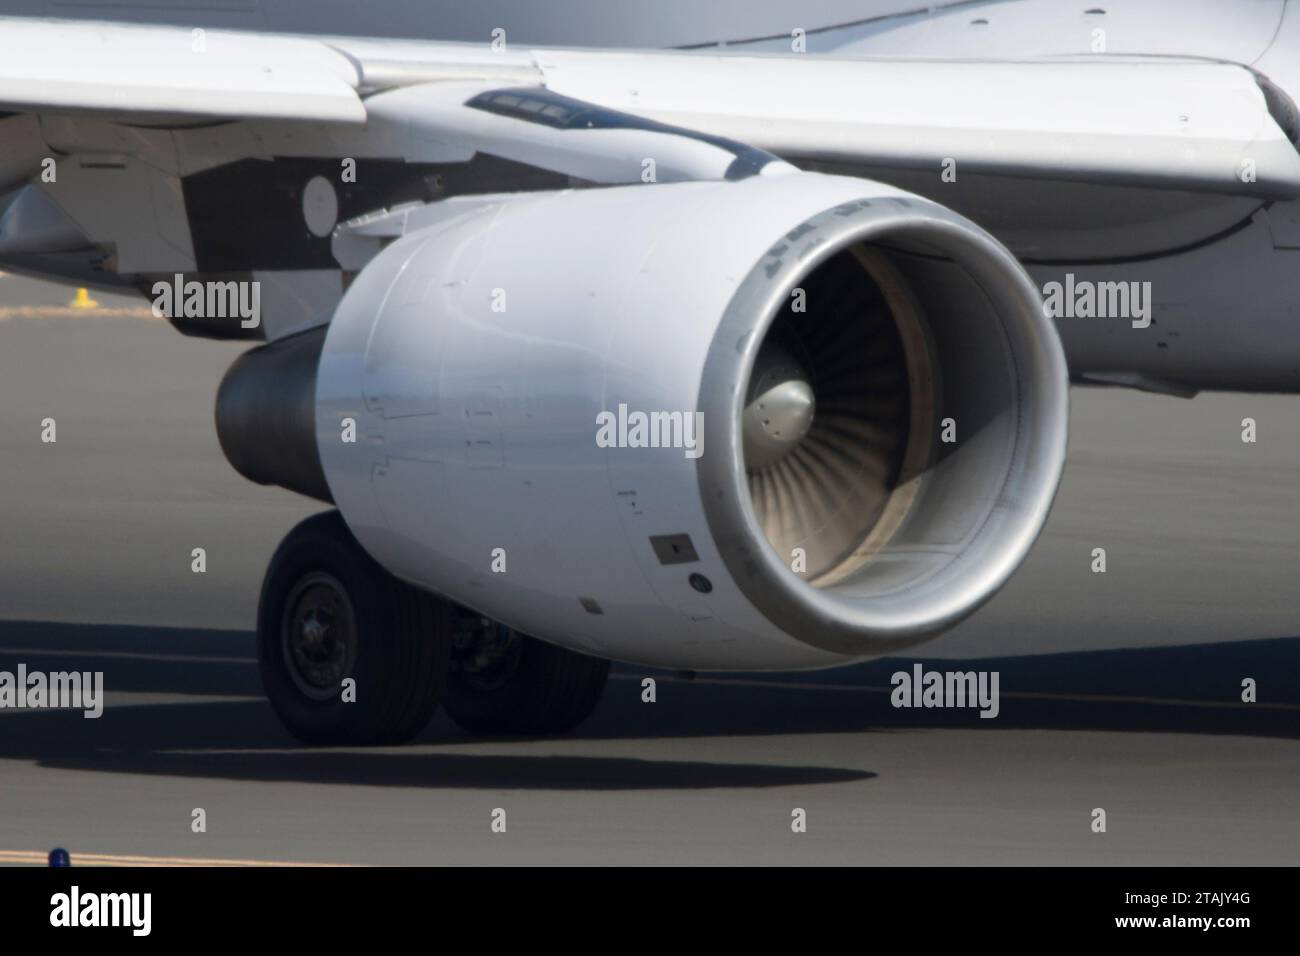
(785, 422)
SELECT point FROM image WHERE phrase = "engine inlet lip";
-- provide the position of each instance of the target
(824, 618)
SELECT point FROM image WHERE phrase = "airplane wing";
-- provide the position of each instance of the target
(147, 71)
(1193, 125)
(1171, 124)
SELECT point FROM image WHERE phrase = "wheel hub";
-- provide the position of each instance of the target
(319, 635)
(484, 653)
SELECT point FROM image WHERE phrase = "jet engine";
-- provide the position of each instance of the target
(790, 421)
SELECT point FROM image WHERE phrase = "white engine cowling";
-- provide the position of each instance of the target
(498, 364)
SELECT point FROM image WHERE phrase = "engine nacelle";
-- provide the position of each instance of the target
(791, 421)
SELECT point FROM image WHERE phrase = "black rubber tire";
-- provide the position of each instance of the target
(403, 642)
(551, 691)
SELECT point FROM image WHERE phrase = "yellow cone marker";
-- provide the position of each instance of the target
(83, 300)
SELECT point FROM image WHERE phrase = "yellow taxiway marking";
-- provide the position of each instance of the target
(36, 857)
(75, 312)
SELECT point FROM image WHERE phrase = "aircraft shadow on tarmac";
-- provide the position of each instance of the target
(1185, 689)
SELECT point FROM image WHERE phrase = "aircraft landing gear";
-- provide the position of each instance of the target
(348, 654)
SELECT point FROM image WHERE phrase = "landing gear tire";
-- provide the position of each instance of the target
(504, 682)
(329, 613)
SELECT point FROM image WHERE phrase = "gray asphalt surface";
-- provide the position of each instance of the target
(1119, 691)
